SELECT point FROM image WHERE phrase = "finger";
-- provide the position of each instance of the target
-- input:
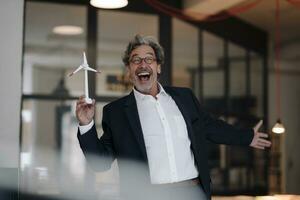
(262, 135)
(81, 98)
(263, 145)
(265, 142)
(82, 106)
(258, 125)
(267, 145)
(79, 104)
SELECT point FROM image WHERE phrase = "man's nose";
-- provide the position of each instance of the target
(143, 64)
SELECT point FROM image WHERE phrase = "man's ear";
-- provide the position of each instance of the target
(127, 71)
(158, 69)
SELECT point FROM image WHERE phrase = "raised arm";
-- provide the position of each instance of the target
(98, 152)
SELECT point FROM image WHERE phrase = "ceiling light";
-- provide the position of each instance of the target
(67, 30)
(109, 4)
(278, 127)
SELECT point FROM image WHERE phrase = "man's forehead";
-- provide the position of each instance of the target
(143, 49)
(137, 54)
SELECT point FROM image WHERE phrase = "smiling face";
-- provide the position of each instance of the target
(143, 70)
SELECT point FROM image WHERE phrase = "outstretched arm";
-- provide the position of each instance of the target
(218, 131)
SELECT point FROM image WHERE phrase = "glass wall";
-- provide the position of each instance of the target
(237, 70)
(230, 86)
(213, 96)
(49, 57)
(50, 156)
(112, 42)
(256, 82)
(51, 161)
(185, 55)
(213, 66)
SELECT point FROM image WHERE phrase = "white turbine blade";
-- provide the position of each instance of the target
(84, 60)
(74, 72)
(91, 69)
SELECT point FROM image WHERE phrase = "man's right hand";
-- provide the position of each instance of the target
(84, 112)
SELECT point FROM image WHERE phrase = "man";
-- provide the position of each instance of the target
(161, 128)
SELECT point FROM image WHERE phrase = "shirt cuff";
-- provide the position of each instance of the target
(85, 128)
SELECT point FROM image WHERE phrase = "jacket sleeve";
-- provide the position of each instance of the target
(218, 131)
(98, 152)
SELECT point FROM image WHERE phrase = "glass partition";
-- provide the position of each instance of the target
(51, 161)
(237, 70)
(112, 42)
(49, 56)
(185, 55)
(51, 158)
(213, 66)
(256, 81)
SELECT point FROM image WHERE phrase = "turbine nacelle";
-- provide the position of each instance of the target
(85, 66)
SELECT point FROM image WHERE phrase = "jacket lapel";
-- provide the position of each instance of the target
(134, 121)
(177, 98)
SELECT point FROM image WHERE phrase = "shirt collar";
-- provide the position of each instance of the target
(140, 96)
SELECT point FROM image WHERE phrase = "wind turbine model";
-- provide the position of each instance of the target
(86, 68)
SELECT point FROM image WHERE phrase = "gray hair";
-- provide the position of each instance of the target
(139, 40)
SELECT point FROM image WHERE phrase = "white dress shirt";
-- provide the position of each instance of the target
(167, 143)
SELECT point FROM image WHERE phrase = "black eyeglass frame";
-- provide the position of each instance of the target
(148, 60)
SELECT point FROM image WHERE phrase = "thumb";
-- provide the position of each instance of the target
(258, 125)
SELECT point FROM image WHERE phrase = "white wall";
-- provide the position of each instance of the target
(290, 116)
(290, 109)
(11, 23)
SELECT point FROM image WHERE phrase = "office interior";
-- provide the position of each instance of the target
(231, 63)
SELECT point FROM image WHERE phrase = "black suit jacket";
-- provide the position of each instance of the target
(123, 137)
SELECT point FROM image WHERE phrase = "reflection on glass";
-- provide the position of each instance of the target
(256, 90)
(49, 57)
(213, 66)
(237, 70)
(52, 162)
(107, 182)
(50, 154)
(115, 30)
(256, 73)
(185, 55)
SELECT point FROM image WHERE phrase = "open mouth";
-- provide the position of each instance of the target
(144, 76)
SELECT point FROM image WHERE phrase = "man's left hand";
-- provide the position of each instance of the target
(259, 140)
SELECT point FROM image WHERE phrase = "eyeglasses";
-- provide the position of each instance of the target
(139, 60)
